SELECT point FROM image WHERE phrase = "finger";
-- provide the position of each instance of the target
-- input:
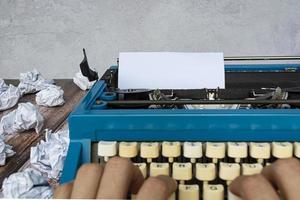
(253, 187)
(157, 188)
(63, 191)
(120, 176)
(87, 181)
(284, 174)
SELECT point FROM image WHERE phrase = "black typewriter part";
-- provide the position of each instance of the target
(212, 94)
(255, 88)
(111, 79)
(274, 94)
(158, 95)
(132, 94)
(85, 69)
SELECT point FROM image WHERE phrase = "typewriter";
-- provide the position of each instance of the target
(203, 138)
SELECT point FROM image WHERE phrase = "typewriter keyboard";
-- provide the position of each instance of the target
(203, 169)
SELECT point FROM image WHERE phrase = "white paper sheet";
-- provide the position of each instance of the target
(170, 70)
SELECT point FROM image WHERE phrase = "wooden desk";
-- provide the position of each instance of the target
(55, 119)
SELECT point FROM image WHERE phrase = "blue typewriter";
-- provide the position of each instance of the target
(202, 138)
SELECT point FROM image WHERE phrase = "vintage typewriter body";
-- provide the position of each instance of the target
(203, 138)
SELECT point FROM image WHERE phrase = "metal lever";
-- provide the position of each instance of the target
(85, 69)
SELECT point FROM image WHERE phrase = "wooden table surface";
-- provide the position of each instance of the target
(54, 119)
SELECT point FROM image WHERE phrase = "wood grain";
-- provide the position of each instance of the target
(54, 118)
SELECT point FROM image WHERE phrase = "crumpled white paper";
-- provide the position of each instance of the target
(49, 156)
(9, 95)
(9, 98)
(83, 82)
(33, 81)
(27, 184)
(25, 117)
(5, 151)
(3, 86)
(51, 96)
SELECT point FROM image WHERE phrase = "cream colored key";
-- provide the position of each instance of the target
(229, 171)
(182, 171)
(192, 150)
(107, 149)
(159, 169)
(215, 150)
(149, 150)
(190, 192)
(171, 150)
(205, 171)
(237, 150)
(260, 151)
(282, 149)
(297, 149)
(128, 149)
(143, 168)
(213, 192)
(251, 168)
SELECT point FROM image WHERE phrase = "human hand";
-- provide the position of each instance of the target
(118, 178)
(281, 180)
